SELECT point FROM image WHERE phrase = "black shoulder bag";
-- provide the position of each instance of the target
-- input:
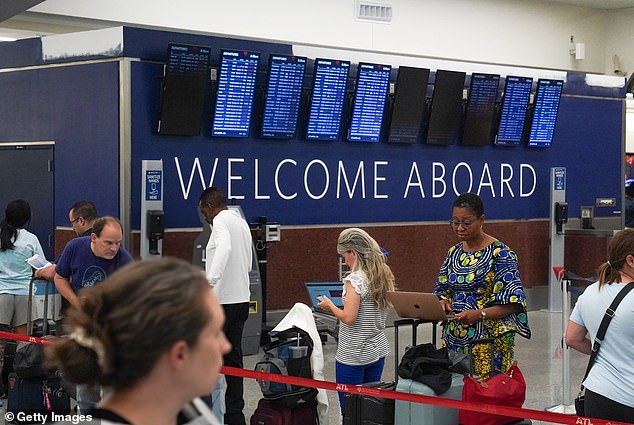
(603, 327)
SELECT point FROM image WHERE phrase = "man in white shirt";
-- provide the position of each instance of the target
(227, 265)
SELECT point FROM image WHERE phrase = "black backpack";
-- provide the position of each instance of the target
(288, 354)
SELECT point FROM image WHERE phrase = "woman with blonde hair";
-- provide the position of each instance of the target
(363, 344)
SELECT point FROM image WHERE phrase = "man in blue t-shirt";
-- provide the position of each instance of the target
(86, 261)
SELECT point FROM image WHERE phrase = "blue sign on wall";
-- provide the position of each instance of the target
(153, 185)
(560, 178)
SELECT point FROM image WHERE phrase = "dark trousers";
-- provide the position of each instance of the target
(235, 316)
(600, 407)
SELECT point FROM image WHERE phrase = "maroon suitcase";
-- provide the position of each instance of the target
(272, 414)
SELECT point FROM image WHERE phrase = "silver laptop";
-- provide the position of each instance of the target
(418, 305)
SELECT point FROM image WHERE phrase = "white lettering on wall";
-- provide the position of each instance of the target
(489, 181)
(326, 179)
(289, 177)
(231, 177)
(378, 179)
(256, 171)
(438, 178)
(341, 174)
(534, 178)
(195, 167)
(457, 190)
(277, 179)
(506, 181)
(413, 172)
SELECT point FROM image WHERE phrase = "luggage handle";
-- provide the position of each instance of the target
(29, 306)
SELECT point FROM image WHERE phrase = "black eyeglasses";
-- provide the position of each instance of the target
(461, 223)
(73, 221)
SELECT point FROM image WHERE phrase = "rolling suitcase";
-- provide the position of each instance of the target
(268, 413)
(367, 410)
(38, 397)
(406, 413)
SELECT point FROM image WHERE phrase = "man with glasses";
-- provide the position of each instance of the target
(82, 216)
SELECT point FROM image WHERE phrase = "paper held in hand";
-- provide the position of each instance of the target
(37, 262)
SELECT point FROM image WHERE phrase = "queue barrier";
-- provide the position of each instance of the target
(516, 412)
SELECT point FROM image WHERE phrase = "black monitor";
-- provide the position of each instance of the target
(183, 90)
(329, 92)
(483, 91)
(234, 101)
(517, 95)
(373, 81)
(547, 99)
(446, 108)
(283, 96)
(409, 113)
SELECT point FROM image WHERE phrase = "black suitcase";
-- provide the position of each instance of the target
(35, 400)
(368, 410)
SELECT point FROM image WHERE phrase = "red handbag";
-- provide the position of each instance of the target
(505, 389)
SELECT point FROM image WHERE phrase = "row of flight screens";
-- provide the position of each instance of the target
(444, 122)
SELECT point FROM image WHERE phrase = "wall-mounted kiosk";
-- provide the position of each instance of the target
(253, 325)
(152, 223)
(558, 217)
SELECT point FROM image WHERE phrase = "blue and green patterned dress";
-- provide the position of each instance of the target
(476, 280)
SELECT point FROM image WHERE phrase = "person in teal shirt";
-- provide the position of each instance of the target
(16, 245)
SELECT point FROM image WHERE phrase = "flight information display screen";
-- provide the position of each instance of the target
(517, 94)
(410, 105)
(478, 123)
(446, 108)
(369, 102)
(283, 96)
(547, 99)
(329, 92)
(234, 101)
(184, 58)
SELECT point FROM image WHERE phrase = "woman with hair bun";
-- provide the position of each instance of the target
(609, 386)
(363, 345)
(152, 333)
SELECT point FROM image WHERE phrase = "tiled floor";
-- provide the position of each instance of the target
(539, 359)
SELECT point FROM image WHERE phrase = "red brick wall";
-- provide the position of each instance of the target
(415, 254)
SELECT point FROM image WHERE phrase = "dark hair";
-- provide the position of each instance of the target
(84, 209)
(16, 216)
(213, 196)
(125, 323)
(470, 200)
(101, 222)
(621, 245)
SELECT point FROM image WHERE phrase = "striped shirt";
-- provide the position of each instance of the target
(364, 341)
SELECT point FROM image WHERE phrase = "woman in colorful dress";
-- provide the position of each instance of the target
(480, 282)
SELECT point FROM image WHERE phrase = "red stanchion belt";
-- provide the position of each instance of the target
(516, 412)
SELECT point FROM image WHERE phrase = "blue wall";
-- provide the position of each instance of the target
(78, 107)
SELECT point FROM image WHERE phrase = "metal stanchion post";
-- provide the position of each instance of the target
(566, 407)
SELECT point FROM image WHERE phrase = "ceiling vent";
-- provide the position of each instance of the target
(374, 12)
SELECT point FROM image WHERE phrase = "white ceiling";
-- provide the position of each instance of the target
(599, 4)
(29, 24)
